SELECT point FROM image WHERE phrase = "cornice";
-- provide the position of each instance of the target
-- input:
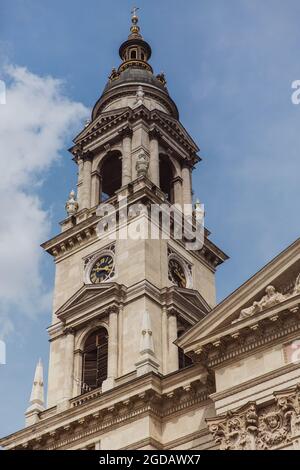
(268, 328)
(250, 384)
(123, 90)
(160, 124)
(143, 395)
(149, 441)
(239, 298)
(83, 233)
(92, 302)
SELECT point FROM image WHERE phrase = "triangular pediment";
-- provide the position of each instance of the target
(91, 296)
(177, 126)
(103, 119)
(282, 273)
(194, 297)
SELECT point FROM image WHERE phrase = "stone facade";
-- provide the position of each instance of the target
(240, 389)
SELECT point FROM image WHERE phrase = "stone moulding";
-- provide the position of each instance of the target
(281, 320)
(268, 427)
(83, 233)
(89, 420)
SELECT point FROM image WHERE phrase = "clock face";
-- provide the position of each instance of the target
(176, 273)
(102, 269)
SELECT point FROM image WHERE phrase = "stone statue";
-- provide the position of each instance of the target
(271, 298)
(142, 164)
(162, 78)
(139, 96)
(71, 204)
(114, 74)
(297, 286)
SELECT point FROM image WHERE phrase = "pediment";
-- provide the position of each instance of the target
(187, 302)
(195, 298)
(282, 273)
(89, 297)
(102, 119)
(180, 129)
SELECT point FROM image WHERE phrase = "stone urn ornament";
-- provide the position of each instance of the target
(142, 165)
(71, 204)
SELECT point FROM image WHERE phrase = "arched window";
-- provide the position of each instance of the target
(111, 175)
(95, 352)
(183, 359)
(166, 176)
(133, 54)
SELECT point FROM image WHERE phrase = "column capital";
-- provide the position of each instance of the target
(69, 331)
(87, 156)
(172, 312)
(154, 133)
(112, 309)
(187, 165)
(125, 132)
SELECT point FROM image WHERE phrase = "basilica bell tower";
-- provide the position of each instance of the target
(120, 302)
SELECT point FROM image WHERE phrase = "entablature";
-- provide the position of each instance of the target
(276, 324)
(95, 412)
(110, 127)
(82, 228)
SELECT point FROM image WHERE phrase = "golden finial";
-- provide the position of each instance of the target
(134, 20)
(134, 17)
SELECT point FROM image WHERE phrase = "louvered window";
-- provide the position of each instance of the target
(95, 360)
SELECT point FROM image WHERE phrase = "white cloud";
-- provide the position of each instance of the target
(36, 123)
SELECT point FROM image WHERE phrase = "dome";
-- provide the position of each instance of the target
(136, 75)
(135, 71)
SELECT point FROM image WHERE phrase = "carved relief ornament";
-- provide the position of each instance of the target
(251, 428)
(271, 298)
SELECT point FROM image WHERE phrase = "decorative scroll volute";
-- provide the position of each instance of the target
(289, 404)
(235, 430)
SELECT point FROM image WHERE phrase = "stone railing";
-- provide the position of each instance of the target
(86, 397)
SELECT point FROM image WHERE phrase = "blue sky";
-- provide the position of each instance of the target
(229, 66)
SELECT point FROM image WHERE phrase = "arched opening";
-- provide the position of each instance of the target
(183, 359)
(111, 175)
(166, 176)
(95, 356)
(133, 54)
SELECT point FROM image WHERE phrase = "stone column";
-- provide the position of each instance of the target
(80, 182)
(95, 188)
(154, 158)
(112, 365)
(77, 372)
(173, 349)
(86, 183)
(120, 340)
(177, 186)
(69, 342)
(126, 158)
(186, 185)
(164, 334)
